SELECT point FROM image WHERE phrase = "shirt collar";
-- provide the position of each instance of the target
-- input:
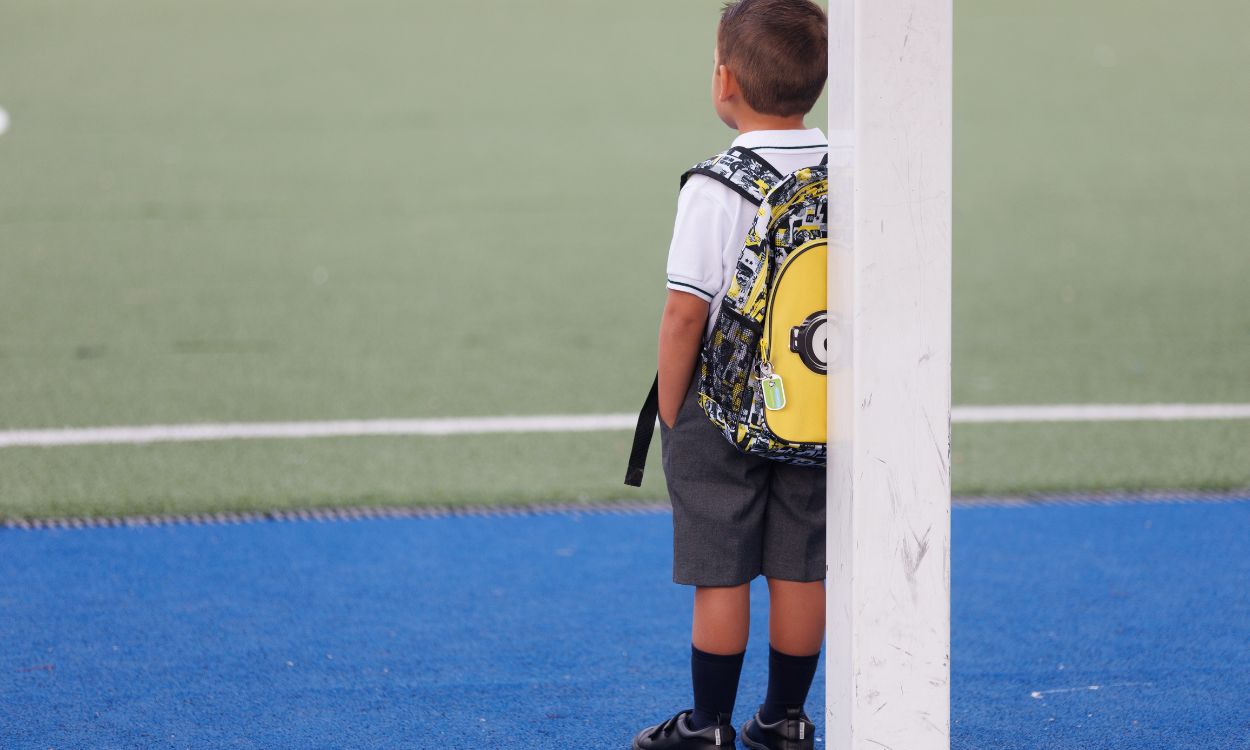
(781, 138)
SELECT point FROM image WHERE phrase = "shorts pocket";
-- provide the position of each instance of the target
(690, 400)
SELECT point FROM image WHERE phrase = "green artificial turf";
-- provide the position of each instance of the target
(519, 469)
(304, 210)
(1101, 153)
(241, 211)
(1040, 458)
(272, 474)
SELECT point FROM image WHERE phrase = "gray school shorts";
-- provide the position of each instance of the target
(737, 516)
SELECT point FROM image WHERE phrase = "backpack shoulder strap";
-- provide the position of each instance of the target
(744, 171)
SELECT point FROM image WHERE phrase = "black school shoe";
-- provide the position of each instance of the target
(676, 734)
(795, 732)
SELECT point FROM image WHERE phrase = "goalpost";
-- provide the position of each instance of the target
(888, 611)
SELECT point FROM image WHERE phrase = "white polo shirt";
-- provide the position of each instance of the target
(712, 220)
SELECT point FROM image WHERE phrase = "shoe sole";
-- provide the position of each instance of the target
(634, 745)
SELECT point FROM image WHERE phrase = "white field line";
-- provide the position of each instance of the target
(179, 433)
(183, 433)
(1099, 413)
(1039, 694)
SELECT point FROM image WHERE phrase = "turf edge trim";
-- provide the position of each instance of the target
(610, 508)
(335, 514)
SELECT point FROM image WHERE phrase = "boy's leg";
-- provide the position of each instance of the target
(718, 497)
(796, 617)
(796, 628)
(794, 563)
(718, 642)
(722, 618)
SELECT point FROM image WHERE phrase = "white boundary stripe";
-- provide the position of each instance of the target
(179, 433)
(185, 433)
(1098, 413)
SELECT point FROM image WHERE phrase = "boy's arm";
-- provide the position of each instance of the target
(681, 333)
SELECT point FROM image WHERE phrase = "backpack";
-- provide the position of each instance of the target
(761, 375)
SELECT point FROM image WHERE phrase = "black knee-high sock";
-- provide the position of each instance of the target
(715, 679)
(789, 679)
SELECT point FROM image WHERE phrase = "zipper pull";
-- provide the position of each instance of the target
(773, 389)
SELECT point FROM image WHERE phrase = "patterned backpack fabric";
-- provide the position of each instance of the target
(762, 370)
(761, 376)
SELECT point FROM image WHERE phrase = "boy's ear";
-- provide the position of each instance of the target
(726, 83)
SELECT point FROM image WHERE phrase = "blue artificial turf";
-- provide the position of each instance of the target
(1150, 603)
(562, 630)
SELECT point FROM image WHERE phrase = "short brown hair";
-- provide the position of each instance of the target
(778, 49)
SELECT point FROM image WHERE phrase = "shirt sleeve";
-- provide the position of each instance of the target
(700, 233)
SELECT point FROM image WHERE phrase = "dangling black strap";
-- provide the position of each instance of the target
(642, 435)
(824, 160)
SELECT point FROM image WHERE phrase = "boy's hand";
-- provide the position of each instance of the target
(681, 333)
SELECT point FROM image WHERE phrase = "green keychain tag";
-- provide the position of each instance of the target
(774, 392)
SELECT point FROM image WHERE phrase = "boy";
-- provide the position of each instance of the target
(736, 516)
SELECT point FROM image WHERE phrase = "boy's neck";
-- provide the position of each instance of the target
(752, 121)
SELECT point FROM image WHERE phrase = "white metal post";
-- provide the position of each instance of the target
(888, 645)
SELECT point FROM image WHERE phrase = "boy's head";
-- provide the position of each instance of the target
(772, 56)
